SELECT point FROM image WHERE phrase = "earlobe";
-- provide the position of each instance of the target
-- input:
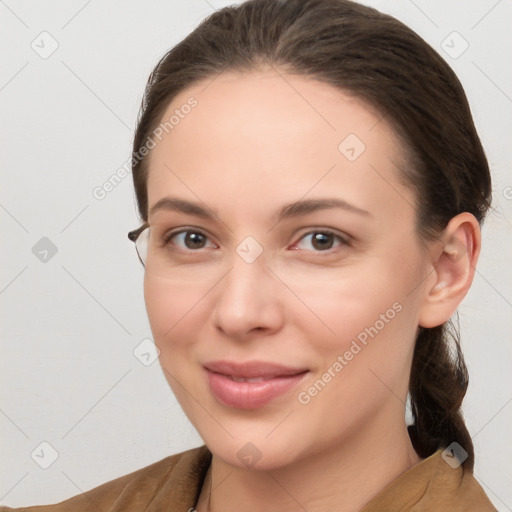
(454, 268)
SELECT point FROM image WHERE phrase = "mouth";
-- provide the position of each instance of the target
(250, 385)
(253, 379)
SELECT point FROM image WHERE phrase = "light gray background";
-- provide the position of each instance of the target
(69, 327)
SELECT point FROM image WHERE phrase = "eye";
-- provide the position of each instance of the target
(190, 238)
(322, 240)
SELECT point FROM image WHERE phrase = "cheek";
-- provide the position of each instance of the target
(368, 316)
(340, 307)
(367, 354)
(169, 305)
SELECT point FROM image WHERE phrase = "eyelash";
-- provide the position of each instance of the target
(344, 240)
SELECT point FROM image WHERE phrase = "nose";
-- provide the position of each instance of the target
(249, 300)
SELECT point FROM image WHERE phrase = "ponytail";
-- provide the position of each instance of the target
(438, 383)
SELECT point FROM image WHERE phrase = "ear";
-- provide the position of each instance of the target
(453, 270)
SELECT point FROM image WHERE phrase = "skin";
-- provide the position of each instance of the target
(255, 142)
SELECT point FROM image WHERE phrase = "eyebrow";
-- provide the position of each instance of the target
(295, 209)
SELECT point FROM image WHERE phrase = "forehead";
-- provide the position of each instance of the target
(272, 133)
(272, 105)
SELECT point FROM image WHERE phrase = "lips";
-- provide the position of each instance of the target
(250, 385)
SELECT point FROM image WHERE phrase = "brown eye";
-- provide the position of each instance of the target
(187, 239)
(322, 241)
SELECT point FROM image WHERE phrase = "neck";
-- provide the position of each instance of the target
(345, 478)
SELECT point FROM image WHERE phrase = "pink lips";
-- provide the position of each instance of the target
(250, 385)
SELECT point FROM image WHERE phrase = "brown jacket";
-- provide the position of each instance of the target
(173, 484)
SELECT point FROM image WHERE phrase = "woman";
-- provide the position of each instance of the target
(311, 188)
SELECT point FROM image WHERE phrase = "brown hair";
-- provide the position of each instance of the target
(380, 60)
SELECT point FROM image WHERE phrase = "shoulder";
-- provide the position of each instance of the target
(455, 488)
(177, 476)
(432, 485)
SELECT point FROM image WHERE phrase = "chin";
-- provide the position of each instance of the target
(256, 452)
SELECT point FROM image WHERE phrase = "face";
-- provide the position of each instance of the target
(291, 332)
